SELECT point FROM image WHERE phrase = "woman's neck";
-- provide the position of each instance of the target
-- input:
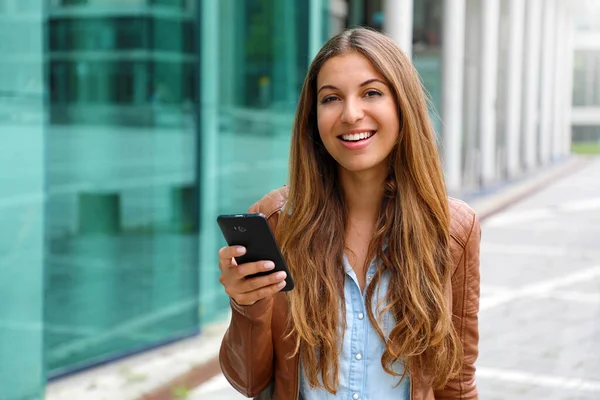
(363, 193)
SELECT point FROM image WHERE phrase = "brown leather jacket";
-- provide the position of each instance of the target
(254, 355)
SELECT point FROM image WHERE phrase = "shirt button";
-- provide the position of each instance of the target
(355, 396)
(361, 316)
(358, 356)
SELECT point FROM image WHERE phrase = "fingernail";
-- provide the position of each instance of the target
(240, 250)
(269, 265)
(280, 275)
(281, 284)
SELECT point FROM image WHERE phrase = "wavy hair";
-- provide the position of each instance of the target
(412, 226)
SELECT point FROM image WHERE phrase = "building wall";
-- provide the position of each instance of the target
(129, 126)
(121, 176)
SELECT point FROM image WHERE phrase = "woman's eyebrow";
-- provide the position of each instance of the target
(326, 87)
(368, 81)
(365, 83)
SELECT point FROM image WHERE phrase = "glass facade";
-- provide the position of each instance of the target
(128, 127)
(121, 230)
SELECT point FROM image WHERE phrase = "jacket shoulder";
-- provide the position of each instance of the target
(271, 203)
(462, 220)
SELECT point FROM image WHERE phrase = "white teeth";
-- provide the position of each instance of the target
(357, 136)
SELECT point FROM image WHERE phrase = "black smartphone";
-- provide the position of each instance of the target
(254, 233)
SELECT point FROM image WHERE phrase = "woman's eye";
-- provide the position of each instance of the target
(372, 93)
(327, 99)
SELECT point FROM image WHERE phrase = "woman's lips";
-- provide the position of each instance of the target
(357, 145)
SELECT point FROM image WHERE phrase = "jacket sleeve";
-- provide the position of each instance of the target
(246, 355)
(465, 308)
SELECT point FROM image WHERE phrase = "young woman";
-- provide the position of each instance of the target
(386, 266)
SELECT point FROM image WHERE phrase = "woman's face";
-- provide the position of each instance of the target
(356, 113)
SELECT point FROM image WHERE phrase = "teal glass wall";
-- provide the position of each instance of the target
(121, 179)
(127, 128)
(249, 96)
(22, 119)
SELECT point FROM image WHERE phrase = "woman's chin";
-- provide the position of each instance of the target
(362, 167)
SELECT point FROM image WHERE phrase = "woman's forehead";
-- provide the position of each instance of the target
(347, 69)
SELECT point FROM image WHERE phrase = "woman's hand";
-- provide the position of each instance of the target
(247, 291)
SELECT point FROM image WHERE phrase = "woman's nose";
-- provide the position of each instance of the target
(352, 112)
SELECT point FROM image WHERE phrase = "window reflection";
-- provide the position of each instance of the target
(121, 148)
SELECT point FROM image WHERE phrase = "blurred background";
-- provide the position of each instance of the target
(127, 126)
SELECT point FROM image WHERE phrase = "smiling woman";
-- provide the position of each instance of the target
(366, 229)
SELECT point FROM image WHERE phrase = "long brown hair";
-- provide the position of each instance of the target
(413, 227)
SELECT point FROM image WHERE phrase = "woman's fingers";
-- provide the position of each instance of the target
(259, 282)
(227, 254)
(249, 298)
(234, 277)
(244, 270)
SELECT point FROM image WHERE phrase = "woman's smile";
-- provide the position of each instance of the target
(357, 139)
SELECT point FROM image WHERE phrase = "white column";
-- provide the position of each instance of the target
(531, 86)
(548, 86)
(597, 78)
(490, 17)
(453, 49)
(514, 88)
(398, 22)
(558, 80)
(470, 115)
(568, 98)
(590, 74)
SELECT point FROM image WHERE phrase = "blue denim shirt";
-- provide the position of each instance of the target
(361, 375)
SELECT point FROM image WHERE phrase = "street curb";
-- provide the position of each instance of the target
(484, 205)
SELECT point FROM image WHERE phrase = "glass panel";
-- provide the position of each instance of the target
(260, 60)
(427, 51)
(99, 34)
(22, 116)
(121, 226)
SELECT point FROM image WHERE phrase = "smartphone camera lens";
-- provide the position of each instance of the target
(241, 229)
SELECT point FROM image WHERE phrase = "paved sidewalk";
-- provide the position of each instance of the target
(178, 367)
(540, 284)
